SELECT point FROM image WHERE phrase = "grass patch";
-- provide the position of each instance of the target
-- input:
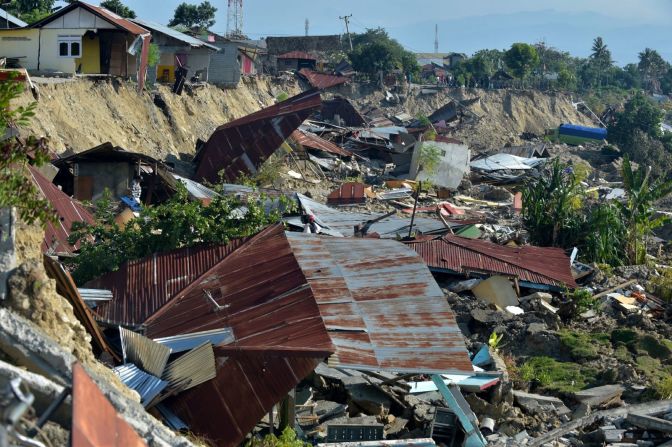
(654, 347)
(557, 376)
(624, 336)
(663, 388)
(584, 345)
(622, 354)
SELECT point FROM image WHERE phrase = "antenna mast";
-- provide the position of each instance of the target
(307, 26)
(234, 19)
(436, 38)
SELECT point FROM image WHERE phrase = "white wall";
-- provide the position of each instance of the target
(453, 166)
(79, 18)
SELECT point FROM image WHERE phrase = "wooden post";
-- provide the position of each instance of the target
(288, 411)
(415, 206)
(7, 247)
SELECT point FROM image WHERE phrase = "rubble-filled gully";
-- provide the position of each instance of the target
(359, 354)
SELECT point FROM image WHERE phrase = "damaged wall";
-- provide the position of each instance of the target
(82, 114)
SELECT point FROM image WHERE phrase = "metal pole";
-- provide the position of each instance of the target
(415, 206)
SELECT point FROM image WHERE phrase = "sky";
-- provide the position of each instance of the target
(627, 26)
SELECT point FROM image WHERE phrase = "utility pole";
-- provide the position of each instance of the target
(307, 26)
(436, 39)
(347, 28)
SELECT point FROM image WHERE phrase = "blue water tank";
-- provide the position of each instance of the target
(595, 133)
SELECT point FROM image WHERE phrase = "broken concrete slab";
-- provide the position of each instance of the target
(649, 422)
(369, 399)
(497, 290)
(601, 395)
(538, 404)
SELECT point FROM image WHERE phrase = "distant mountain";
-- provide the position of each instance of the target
(573, 32)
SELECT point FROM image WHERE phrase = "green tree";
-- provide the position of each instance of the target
(30, 10)
(177, 223)
(639, 113)
(16, 189)
(652, 66)
(117, 7)
(600, 58)
(638, 210)
(552, 207)
(375, 51)
(198, 17)
(521, 59)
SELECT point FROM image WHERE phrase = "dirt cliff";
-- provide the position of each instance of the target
(81, 114)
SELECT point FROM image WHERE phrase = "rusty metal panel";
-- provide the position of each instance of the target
(241, 146)
(348, 193)
(342, 107)
(539, 265)
(322, 81)
(226, 408)
(95, 422)
(143, 286)
(109, 16)
(310, 140)
(68, 210)
(391, 314)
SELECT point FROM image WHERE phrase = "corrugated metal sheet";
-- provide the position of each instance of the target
(147, 354)
(185, 342)
(341, 224)
(264, 298)
(12, 19)
(191, 41)
(539, 265)
(322, 81)
(241, 146)
(348, 193)
(95, 294)
(342, 107)
(310, 140)
(66, 287)
(143, 286)
(95, 422)
(381, 305)
(147, 385)
(192, 369)
(68, 210)
(195, 189)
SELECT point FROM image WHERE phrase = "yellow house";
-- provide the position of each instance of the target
(79, 38)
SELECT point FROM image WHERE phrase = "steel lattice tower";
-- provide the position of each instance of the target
(234, 20)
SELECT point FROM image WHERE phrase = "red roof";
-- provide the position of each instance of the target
(293, 299)
(322, 80)
(143, 286)
(309, 139)
(105, 14)
(298, 55)
(278, 329)
(539, 265)
(68, 211)
(241, 146)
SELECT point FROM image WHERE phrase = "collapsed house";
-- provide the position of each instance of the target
(290, 300)
(241, 146)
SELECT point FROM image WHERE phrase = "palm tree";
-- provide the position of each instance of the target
(601, 56)
(652, 65)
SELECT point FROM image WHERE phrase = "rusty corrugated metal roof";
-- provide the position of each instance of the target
(105, 14)
(280, 338)
(141, 287)
(539, 265)
(381, 305)
(68, 211)
(95, 422)
(322, 80)
(291, 300)
(241, 146)
(310, 140)
(344, 109)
